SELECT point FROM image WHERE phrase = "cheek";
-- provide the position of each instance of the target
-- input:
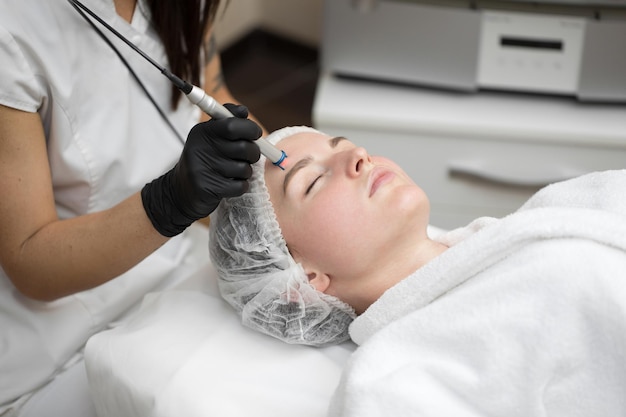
(335, 209)
(328, 230)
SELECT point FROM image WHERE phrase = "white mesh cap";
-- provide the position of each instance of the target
(258, 276)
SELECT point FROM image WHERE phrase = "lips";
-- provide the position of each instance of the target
(379, 177)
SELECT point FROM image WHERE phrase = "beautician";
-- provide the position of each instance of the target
(104, 172)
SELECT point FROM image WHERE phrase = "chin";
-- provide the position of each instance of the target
(412, 199)
(412, 208)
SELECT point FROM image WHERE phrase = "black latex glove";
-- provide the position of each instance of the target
(215, 163)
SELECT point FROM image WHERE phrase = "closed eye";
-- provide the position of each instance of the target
(310, 187)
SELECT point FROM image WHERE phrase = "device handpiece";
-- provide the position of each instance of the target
(195, 94)
(214, 109)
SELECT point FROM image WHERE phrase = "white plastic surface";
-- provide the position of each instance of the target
(392, 108)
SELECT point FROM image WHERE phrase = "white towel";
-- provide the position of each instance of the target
(522, 316)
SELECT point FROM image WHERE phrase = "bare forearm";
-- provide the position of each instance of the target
(68, 256)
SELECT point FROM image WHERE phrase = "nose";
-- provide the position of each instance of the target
(357, 160)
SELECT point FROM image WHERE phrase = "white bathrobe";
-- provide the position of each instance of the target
(521, 316)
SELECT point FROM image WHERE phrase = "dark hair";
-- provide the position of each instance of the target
(182, 26)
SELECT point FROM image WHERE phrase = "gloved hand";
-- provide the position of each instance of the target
(215, 163)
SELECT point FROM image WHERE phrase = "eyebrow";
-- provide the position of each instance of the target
(306, 161)
(335, 141)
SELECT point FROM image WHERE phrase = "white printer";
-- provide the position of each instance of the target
(575, 48)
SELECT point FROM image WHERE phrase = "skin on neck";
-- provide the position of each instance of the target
(125, 8)
(402, 264)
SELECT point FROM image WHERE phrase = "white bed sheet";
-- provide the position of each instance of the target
(184, 353)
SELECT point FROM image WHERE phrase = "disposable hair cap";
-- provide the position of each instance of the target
(258, 276)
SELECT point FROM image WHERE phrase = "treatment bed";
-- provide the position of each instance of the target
(519, 317)
(185, 353)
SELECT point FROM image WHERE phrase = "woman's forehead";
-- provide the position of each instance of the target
(302, 138)
(296, 147)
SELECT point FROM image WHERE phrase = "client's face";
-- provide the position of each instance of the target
(350, 218)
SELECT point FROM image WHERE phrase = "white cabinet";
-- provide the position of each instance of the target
(478, 154)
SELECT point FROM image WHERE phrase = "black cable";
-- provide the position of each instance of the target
(76, 6)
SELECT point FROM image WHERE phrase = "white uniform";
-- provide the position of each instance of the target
(105, 141)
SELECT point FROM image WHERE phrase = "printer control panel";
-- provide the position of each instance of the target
(530, 52)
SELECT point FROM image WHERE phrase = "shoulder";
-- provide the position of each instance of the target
(29, 46)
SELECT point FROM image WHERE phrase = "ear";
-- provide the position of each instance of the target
(318, 279)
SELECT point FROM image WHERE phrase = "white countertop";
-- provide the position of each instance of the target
(502, 116)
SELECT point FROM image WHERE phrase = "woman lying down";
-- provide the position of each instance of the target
(519, 316)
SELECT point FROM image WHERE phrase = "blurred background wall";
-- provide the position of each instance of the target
(299, 20)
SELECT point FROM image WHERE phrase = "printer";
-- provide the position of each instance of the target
(571, 48)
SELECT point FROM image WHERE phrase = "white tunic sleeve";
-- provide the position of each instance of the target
(19, 87)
